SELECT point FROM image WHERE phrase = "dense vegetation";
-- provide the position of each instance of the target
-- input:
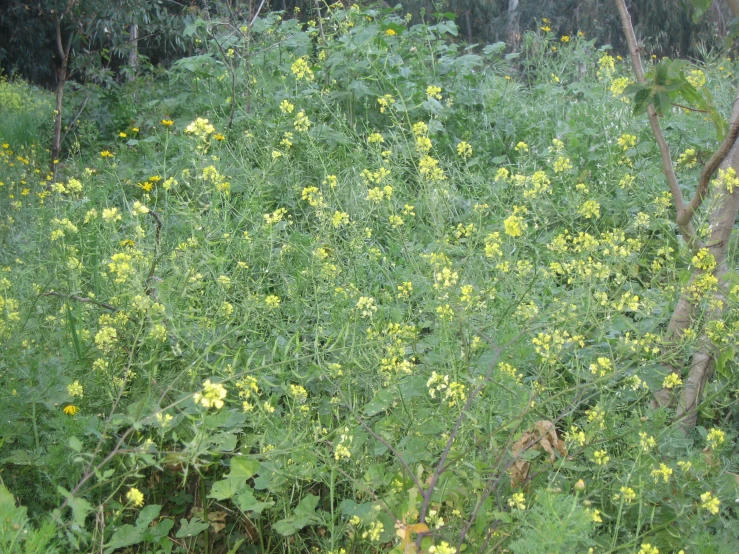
(349, 286)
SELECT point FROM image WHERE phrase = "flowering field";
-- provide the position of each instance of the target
(349, 286)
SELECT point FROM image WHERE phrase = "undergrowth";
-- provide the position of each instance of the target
(411, 300)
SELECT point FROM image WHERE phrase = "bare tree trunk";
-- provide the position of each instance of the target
(62, 81)
(133, 54)
(513, 31)
(721, 218)
(469, 25)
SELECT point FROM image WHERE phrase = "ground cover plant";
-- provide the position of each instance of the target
(350, 286)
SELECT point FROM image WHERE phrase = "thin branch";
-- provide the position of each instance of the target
(82, 299)
(688, 108)
(259, 9)
(687, 229)
(71, 124)
(701, 191)
(387, 445)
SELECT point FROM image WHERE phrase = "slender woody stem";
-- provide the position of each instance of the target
(686, 228)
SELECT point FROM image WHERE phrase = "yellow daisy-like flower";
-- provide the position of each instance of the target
(71, 409)
(167, 122)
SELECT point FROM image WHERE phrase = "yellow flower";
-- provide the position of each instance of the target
(122, 134)
(135, 497)
(565, 38)
(626, 494)
(106, 154)
(672, 380)
(517, 501)
(272, 301)
(710, 502)
(211, 396)
(647, 548)
(301, 123)
(167, 122)
(715, 437)
(663, 471)
(75, 389)
(302, 70)
(627, 141)
(390, 32)
(433, 92)
(464, 149)
(514, 225)
(601, 457)
(71, 409)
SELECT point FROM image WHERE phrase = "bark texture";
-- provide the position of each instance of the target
(722, 217)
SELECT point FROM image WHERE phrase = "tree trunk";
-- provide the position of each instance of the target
(721, 219)
(133, 54)
(513, 32)
(62, 81)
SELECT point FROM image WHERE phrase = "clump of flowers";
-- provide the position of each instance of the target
(211, 396)
(302, 70)
(135, 497)
(200, 128)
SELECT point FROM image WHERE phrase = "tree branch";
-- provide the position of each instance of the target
(701, 191)
(687, 229)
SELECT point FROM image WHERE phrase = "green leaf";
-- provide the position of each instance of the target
(641, 100)
(381, 402)
(75, 444)
(243, 467)
(724, 357)
(126, 535)
(80, 507)
(304, 515)
(227, 488)
(700, 7)
(247, 502)
(191, 528)
(147, 515)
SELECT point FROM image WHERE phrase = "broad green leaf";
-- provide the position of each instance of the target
(226, 488)
(126, 535)
(191, 528)
(243, 467)
(147, 515)
(75, 444)
(700, 7)
(381, 402)
(303, 515)
(247, 502)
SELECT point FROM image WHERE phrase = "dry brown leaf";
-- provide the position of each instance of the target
(405, 531)
(543, 436)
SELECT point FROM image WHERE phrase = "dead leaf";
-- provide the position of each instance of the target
(405, 531)
(543, 436)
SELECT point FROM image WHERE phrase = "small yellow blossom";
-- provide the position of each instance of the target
(75, 389)
(710, 503)
(517, 501)
(135, 497)
(672, 380)
(211, 396)
(715, 438)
